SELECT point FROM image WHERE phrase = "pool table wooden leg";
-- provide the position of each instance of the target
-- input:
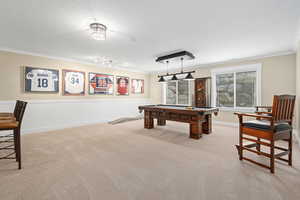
(161, 121)
(196, 130)
(206, 126)
(148, 120)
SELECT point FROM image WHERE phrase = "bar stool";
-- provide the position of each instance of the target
(12, 121)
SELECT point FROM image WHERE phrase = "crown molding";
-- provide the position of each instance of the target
(191, 67)
(10, 50)
(231, 61)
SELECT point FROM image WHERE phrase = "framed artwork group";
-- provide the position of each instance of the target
(44, 80)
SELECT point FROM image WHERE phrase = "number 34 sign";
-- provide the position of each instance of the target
(73, 82)
(41, 80)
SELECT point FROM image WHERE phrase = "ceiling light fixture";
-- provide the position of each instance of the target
(174, 78)
(161, 78)
(189, 76)
(98, 31)
(182, 55)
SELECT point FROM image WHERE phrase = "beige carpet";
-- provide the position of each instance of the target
(125, 161)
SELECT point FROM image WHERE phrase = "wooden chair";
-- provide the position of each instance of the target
(12, 121)
(269, 126)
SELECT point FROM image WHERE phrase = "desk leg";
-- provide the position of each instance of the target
(148, 120)
(161, 121)
(206, 126)
(196, 130)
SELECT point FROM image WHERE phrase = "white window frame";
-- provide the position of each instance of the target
(236, 69)
(164, 94)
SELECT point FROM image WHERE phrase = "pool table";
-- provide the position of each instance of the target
(198, 118)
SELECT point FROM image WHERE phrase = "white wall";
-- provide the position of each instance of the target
(298, 90)
(46, 115)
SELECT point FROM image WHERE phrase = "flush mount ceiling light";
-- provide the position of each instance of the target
(98, 31)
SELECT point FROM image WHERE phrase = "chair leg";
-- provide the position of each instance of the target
(258, 146)
(241, 146)
(272, 159)
(290, 148)
(19, 147)
(15, 143)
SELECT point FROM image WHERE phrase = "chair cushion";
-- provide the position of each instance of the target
(8, 124)
(266, 125)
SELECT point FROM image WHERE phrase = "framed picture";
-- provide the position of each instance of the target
(101, 84)
(73, 82)
(122, 85)
(41, 80)
(137, 86)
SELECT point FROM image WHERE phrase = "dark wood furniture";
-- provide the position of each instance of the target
(198, 118)
(202, 92)
(269, 126)
(12, 121)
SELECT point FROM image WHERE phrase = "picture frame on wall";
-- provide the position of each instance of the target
(122, 85)
(73, 82)
(137, 86)
(101, 83)
(41, 80)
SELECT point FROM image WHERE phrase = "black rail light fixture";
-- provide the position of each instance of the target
(174, 78)
(189, 76)
(161, 79)
(183, 55)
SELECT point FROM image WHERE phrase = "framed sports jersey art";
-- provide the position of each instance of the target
(101, 84)
(137, 86)
(41, 80)
(73, 82)
(122, 85)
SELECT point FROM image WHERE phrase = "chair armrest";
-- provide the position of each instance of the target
(261, 112)
(253, 115)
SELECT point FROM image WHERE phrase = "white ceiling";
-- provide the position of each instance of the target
(213, 30)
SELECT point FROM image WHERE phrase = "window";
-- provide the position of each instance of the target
(171, 92)
(178, 92)
(237, 87)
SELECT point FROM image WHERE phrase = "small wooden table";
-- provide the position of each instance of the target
(198, 118)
